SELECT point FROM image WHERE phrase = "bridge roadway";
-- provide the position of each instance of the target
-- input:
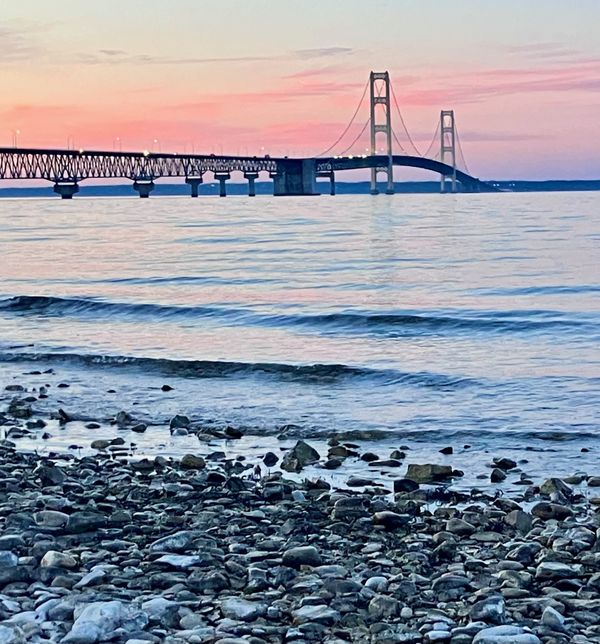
(291, 176)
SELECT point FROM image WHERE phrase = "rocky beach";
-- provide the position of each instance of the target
(214, 548)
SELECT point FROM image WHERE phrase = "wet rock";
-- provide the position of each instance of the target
(505, 463)
(359, 481)
(179, 421)
(270, 459)
(547, 511)
(519, 520)
(139, 428)
(391, 520)
(405, 485)
(51, 518)
(553, 619)
(460, 527)
(192, 462)
(177, 542)
(497, 475)
(428, 473)
(553, 486)
(555, 570)
(384, 607)
(300, 455)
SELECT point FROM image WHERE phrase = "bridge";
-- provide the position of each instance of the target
(291, 176)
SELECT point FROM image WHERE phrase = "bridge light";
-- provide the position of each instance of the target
(146, 153)
(80, 151)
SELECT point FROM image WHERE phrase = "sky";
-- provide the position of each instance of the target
(285, 77)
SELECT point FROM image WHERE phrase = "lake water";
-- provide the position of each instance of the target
(425, 320)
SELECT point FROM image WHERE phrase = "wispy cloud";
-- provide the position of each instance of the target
(121, 57)
(17, 44)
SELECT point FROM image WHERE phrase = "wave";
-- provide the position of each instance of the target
(392, 324)
(309, 373)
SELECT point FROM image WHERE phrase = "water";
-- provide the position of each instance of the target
(427, 320)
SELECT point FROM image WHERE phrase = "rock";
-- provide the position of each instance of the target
(405, 485)
(497, 475)
(49, 475)
(85, 522)
(92, 578)
(553, 619)
(140, 428)
(233, 432)
(391, 520)
(270, 459)
(349, 509)
(460, 527)
(301, 556)
(177, 542)
(593, 481)
(369, 457)
(51, 518)
(241, 609)
(519, 520)
(333, 463)
(554, 570)
(192, 462)
(446, 451)
(490, 610)
(100, 443)
(10, 634)
(123, 418)
(179, 421)
(179, 562)
(300, 455)
(8, 559)
(547, 511)
(505, 635)
(54, 559)
(554, 486)
(384, 607)
(359, 481)
(505, 463)
(428, 473)
(98, 621)
(319, 614)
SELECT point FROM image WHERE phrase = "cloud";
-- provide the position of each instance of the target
(16, 44)
(121, 57)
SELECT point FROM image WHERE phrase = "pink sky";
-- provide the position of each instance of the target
(285, 77)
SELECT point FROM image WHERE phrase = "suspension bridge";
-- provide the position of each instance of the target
(291, 176)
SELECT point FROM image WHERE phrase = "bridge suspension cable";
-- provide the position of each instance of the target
(404, 125)
(464, 165)
(434, 140)
(365, 126)
(347, 128)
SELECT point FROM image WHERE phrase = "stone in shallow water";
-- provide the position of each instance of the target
(548, 511)
(428, 472)
(300, 455)
(192, 462)
(391, 520)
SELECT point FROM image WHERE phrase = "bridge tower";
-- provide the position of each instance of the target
(381, 122)
(448, 146)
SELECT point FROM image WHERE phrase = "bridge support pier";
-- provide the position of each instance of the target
(252, 177)
(143, 187)
(194, 183)
(331, 177)
(222, 178)
(295, 177)
(66, 189)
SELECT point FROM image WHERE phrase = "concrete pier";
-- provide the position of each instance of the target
(194, 183)
(222, 178)
(331, 177)
(252, 177)
(66, 189)
(295, 177)
(144, 187)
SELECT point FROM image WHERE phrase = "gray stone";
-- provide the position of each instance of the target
(320, 614)
(98, 621)
(505, 635)
(548, 511)
(301, 556)
(173, 543)
(491, 610)
(300, 455)
(54, 559)
(428, 473)
(553, 570)
(241, 609)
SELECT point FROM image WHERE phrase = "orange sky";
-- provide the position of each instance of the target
(285, 77)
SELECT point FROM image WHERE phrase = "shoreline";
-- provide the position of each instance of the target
(211, 548)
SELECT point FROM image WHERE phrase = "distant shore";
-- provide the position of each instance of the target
(266, 188)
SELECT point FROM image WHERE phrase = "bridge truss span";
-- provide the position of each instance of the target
(77, 165)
